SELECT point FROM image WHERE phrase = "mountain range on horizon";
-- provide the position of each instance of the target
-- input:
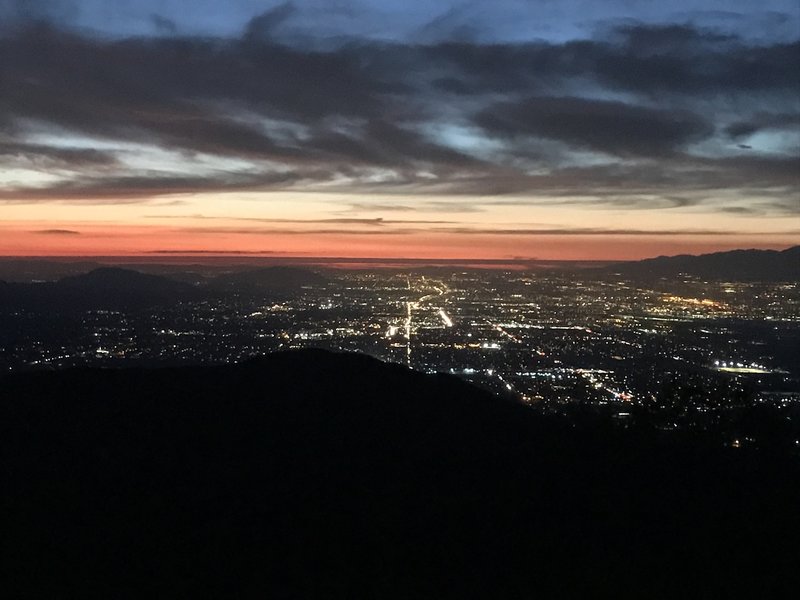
(28, 269)
(734, 265)
(123, 288)
(115, 288)
(268, 279)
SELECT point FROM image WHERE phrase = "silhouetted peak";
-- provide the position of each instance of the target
(116, 276)
(734, 265)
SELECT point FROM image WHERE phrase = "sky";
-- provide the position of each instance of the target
(531, 129)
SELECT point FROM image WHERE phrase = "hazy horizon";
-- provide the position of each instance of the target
(243, 258)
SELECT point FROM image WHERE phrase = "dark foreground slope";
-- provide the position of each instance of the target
(313, 475)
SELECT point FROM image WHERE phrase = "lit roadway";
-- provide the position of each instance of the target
(503, 331)
(440, 290)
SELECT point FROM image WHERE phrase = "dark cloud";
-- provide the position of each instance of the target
(262, 26)
(143, 187)
(379, 117)
(163, 25)
(468, 231)
(586, 231)
(234, 252)
(761, 122)
(660, 40)
(453, 24)
(448, 206)
(40, 155)
(740, 210)
(672, 60)
(374, 222)
(184, 92)
(382, 143)
(26, 11)
(632, 186)
(787, 205)
(368, 206)
(57, 232)
(299, 232)
(677, 60)
(612, 127)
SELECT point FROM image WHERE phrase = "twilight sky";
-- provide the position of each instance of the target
(553, 129)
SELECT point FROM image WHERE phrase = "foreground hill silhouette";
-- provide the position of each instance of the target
(318, 475)
(736, 265)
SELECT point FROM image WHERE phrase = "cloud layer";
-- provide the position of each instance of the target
(635, 115)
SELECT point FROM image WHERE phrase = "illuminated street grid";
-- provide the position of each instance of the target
(687, 349)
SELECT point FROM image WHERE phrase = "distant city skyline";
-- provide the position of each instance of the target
(515, 129)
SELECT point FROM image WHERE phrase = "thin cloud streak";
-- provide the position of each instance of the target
(473, 231)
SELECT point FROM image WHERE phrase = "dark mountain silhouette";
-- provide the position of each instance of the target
(318, 475)
(112, 278)
(737, 265)
(26, 270)
(267, 279)
(113, 288)
(104, 288)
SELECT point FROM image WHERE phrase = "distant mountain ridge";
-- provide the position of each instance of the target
(26, 270)
(105, 288)
(108, 279)
(115, 288)
(275, 278)
(735, 265)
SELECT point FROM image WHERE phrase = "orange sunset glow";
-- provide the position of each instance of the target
(305, 225)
